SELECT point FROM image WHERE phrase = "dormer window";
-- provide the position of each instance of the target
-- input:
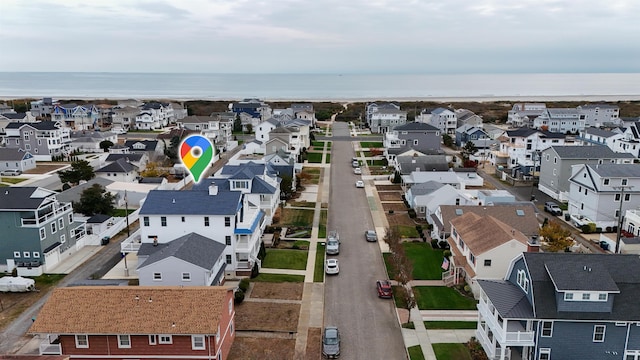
(243, 184)
(605, 181)
(522, 280)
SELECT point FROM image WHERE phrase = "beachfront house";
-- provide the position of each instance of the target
(630, 140)
(76, 117)
(598, 115)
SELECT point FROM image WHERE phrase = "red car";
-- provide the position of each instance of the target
(384, 289)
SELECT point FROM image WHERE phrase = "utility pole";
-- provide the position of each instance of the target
(620, 217)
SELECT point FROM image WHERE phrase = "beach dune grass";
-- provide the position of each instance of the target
(285, 259)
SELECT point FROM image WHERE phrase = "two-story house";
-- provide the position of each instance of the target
(290, 136)
(37, 230)
(408, 164)
(598, 115)
(409, 139)
(227, 217)
(466, 133)
(599, 192)
(443, 119)
(597, 136)
(16, 159)
(304, 111)
(262, 131)
(43, 108)
(44, 139)
(425, 198)
(76, 117)
(372, 108)
(385, 120)
(255, 108)
(523, 114)
(562, 306)
(560, 120)
(630, 140)
(556, 163)
(124, 116)
(481, 248)
(137, 322)
(153, 148)
(190, 260)
(468, 117)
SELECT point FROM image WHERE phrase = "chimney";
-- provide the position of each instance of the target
(213, 189)
(533, 245)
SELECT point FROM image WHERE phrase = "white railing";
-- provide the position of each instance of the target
(505, 338)
(132, 243)
(46, 217)
(46, 348)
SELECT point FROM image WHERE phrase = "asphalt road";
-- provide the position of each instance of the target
(368, 325)
(13, 337)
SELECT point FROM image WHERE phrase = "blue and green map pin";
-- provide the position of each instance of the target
(196, 152)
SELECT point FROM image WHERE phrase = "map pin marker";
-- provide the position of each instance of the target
(196, 153)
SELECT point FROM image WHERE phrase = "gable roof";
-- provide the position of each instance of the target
(509, 300)
(599, 132)
(416, 126)
(484, 233)
(119, 166)
(132, 310)
(194, 119)
(24, 197)
(507, 213)
(589, 152)
(149, 145)
(14, 154)
(193, 202)
(616, 170)
(127, 157)
(425, 188)
(40, 125)
(192, 248)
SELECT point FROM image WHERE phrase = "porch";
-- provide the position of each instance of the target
(50, 345)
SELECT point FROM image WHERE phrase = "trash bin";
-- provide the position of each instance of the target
(604, 245)
(567, 216)
(105, 240)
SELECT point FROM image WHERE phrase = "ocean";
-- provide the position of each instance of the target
(608, 86)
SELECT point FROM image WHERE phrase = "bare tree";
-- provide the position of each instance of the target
(401, 267)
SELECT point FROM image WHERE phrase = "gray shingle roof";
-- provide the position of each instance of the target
(599, 132)
(192, 248)
(589, 152)
(260, 186)
(577, 275)
(41, 125)
(130, 157)
(194, 202)
(23, 198)
(150, 145)
(508, 299)
(425, 188)
(13, 154)
(425, 163)
(118, 166)
(416, 126)
(616, 170)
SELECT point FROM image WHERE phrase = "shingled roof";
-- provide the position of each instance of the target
(132, 310)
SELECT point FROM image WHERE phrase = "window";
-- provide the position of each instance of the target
(598, 333)
(206, 221)
(26, 254)
(16, 254)
(545, 354)
(70, 218)
(63, 239)
(163, 221)
(182, 219)
(228, 257)
(153, 340)
(624, 182)
(487, 262)
(157, 276)
(522, 280)
(227, 221)
(61, 223)
(227, 240)
(186, 276)
(602, 297)
(53, 227)
(568, 296)
(617, 197)
(472, 258)
(36, 254)
(197, 342)
(586, 296)
(43, 234)
(165, 339)
(547, 328)
(606, 181)
(82, 341)
(146, 220)
(627, 197)
(124, 341)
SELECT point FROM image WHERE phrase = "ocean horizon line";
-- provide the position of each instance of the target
(337, 73)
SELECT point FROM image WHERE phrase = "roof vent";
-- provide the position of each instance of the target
(150, 299)
(173, 201)
(584, 268)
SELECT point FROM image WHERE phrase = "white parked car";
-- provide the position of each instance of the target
(359, 184)
(357, 171)
(11, 172)
(331, 267)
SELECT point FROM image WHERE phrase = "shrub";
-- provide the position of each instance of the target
(412, 213)
(14, 272)
(419, 228)
(598, 229)
(608, 229)
(446, 253)
(434, 243)
(476, 350)
(429, 227)
(238, 297)
(443, 244)
(244, 285)
(588, 228)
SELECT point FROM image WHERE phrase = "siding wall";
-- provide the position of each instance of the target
(574, 340)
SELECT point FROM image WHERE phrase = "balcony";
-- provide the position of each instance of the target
(132, 243)
(514, 334)
(57, 210)
(50, 346)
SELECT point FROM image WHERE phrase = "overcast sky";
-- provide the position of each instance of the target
(320, 36)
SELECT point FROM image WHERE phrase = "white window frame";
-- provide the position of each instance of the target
(63, 239)
(35, 254)
(165, 339)
(26, 254)
(187, 277)
(124, 341)
(230, 306)
(522, 281)
(43, 233)
(53, 227)
(70, 218)
(84, 338)
(157, 276)
(195, 338)
(16, 254)
(542, 331)
(595, 332)
(153, 339)
(61, 223)
(543, 352)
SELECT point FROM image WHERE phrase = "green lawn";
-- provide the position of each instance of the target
(327, 159)
(370, 144)
(399, 300)
(317, 144)
(314, 158)
(122, 212)
(12, 180)
(296, 217)
(407, 231)
(304, 204)
(301, 244)
(318, 269)
(322, 229)
(442, 298)
(415, 353)
(278, 278)
(451, 352)
(450, 324)
(382, 162)
(285, 259)
(426, 261)
(329, 144)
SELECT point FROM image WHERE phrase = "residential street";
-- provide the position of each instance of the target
(369, 325)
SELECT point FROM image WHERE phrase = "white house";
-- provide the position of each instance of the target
(425, 198)
(598, 115)
(523, 114)
(443, 119)
(598, 191)
(560, 120)
(119, 170)
(630, 140)
(12, 159)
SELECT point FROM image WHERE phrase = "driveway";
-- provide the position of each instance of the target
(368, 325)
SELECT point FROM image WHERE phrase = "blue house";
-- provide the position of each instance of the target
(466, 133)
(562, 306)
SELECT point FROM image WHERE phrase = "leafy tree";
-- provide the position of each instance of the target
(172, 150)
(152, 170)
(95, 200)
(286, 186)
(397, 178)
(80, 170)
(105, 145)
(21, 107)
(237, 124)
(447, 140)
(557, 237)
(468, 150)
(249, 128)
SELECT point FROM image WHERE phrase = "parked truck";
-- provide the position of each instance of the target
(16, 284)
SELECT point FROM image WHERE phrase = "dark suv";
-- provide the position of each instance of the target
(552, 208)
(384, 289)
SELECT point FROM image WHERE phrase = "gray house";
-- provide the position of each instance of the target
(411, 138)
(408, 164)
(16, 159)
(556, 163)
(190, 260)
(562, 306)
(43, 139)
(37, 230)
